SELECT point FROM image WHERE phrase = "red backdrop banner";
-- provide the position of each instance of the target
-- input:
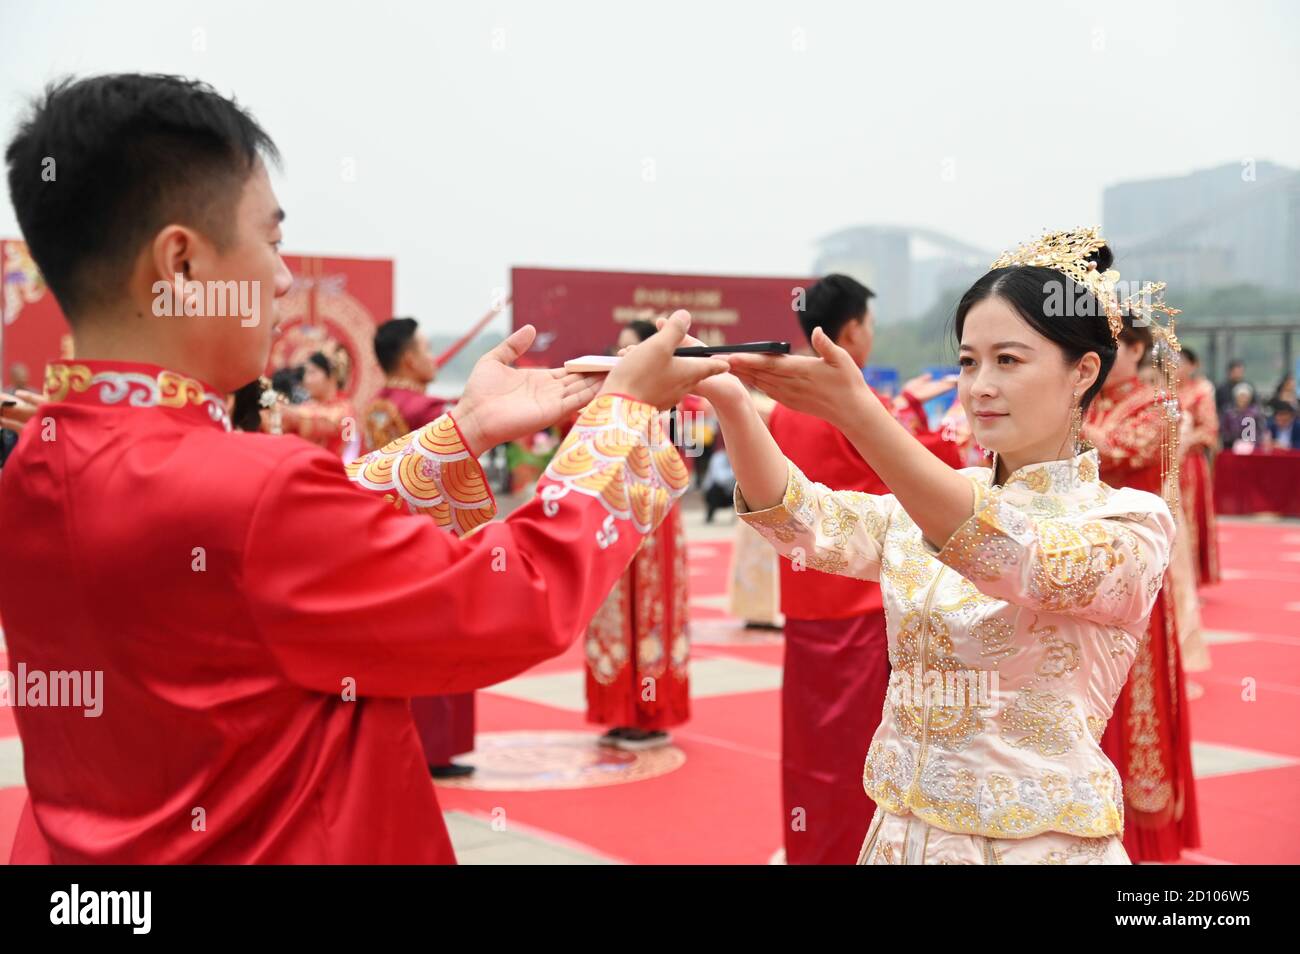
(333, 306)
(581, 312)
(35, 331)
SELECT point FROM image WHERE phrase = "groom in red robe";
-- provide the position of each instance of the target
(257, 620)
(836, 666)
(409, 368)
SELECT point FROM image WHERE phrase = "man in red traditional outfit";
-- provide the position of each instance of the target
(445, 723)
(258, 620)
(409, 368)
(836, 654)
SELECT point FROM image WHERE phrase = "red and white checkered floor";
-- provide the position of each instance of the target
(547, 794)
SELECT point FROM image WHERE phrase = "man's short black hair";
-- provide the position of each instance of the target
(103, 163)
(392, 338)
(832, 303)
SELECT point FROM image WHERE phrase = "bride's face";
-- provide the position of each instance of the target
(1016, 386)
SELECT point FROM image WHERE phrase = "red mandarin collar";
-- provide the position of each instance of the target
(1122, 387)
(135, 385)
(405, 384)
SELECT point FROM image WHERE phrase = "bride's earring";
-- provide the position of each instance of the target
(1076, 424)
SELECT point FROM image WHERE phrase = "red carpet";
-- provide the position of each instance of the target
(723, 805)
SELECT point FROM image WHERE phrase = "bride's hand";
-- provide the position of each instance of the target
(830, 386)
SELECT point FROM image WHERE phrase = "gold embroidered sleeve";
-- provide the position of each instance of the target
(1105, 565)
(618, 453)
(834, 531)
(430, 471)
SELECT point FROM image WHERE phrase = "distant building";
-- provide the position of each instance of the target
(907, 268)
(1233, 224)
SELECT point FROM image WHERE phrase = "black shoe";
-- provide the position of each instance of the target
(451, 770)
(611, 738)
(639, 740)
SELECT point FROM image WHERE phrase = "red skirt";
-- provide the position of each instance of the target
(1149, 740)
(445, 725)
(832, 697)
(1197, 487)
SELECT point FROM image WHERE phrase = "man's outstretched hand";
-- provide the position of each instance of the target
(720, 390)
(503, 403)
(649, 372)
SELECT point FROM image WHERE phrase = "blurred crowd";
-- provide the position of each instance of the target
(1246, 418)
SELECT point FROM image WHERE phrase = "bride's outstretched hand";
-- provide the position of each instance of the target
(829, 386)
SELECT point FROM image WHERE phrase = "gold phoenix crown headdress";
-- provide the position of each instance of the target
(1068, 253)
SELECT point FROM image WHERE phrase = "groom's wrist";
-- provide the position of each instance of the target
(471, 435)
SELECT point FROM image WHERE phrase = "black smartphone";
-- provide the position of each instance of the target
(747, 347)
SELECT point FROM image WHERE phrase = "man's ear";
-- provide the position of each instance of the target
(172, 251)
(850, 334)
(406, 358)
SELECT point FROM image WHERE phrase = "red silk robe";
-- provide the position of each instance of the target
(445, 723)
(416, 407)
(1197, 402)
(836, 658)
(261, 622)
(1148, 737)
(397, 408)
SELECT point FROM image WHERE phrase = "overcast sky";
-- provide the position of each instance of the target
(464, 138)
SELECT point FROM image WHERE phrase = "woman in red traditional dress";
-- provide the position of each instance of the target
(1148, 737)
(1200, 441)
(326, 418)
(638, 644)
